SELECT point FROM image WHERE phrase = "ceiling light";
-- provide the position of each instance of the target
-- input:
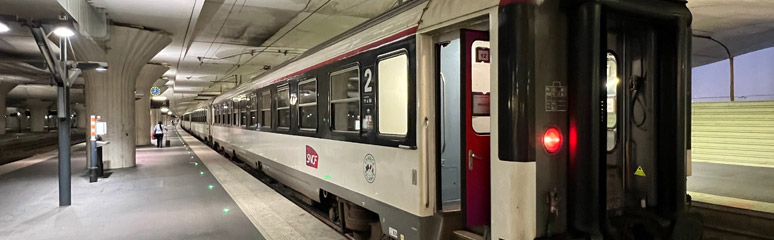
(164, 109)
(64, 32)
(4, 28)
(159, 98)
(101, 69)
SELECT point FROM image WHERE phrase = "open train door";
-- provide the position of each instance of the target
(628, 107)
(464, 79)
(475, 49)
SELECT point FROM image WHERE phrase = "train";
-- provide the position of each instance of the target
(486, 119)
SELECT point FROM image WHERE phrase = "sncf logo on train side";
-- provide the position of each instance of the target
(311, 157)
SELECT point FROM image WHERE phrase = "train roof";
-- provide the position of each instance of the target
(403, 18)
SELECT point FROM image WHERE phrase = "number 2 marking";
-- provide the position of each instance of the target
(367, 75)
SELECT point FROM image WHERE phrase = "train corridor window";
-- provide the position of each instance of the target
(283, 107)
(307, 104)
(345, 100)
(266, 109)
(392, 84)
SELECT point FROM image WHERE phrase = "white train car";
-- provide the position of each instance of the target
(445, 117)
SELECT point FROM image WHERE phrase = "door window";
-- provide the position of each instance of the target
(480, 86)
(612, 81)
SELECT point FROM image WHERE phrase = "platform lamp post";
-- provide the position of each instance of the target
(64, 74)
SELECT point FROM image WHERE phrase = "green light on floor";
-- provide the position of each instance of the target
(201, 173)
(189, 152)
(327, 177)
(225, 210)
(196, 164)
(191, 157)
(210, 187)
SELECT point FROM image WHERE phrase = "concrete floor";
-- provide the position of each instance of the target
(743, 182)
(167, 196)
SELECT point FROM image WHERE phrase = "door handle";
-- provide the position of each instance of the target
(471, 156)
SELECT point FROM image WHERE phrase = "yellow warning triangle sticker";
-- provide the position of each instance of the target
(639, 172)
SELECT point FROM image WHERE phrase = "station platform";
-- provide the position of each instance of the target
(186, 191)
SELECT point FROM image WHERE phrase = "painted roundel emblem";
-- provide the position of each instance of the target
(369, 168)
(155, 91)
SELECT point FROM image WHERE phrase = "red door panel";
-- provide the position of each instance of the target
(477, 184)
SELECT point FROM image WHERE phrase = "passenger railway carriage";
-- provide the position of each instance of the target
(513, 119)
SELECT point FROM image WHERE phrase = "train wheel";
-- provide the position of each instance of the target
(359, 220)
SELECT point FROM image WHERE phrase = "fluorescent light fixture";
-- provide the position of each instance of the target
(159, 98)
(101, 69)
(64, 32)
(164, 109)
(4, 28)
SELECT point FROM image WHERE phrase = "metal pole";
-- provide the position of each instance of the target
(93, 149)
(730, 61)
(63, 112)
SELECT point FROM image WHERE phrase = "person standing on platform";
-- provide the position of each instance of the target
(158, 134)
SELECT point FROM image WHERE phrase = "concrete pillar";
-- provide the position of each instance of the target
(38, 112)
(82, 121)
(4, 89)
(110, 94)
(156, 115)
(148, 75)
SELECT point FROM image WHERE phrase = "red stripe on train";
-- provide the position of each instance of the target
(380, 42)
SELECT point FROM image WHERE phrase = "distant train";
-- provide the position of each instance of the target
(510, 119)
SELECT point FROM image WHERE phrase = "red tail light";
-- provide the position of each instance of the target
(552, 140)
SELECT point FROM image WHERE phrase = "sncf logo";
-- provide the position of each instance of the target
(311, 157)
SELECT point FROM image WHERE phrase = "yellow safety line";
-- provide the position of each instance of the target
(732, 202)
(736, 163)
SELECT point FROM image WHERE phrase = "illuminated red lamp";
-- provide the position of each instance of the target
(552, 140)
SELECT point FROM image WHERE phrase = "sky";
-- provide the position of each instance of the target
(753, 77)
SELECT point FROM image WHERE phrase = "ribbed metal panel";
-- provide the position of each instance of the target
(733, 132)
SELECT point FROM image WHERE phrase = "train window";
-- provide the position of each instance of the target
(266, 109)
(234, 112)
(243, 105)
(612, 96)
(392, 86)
(480, 81)
(345, 100)
(253, 112)
(307, 104)
(283, 106)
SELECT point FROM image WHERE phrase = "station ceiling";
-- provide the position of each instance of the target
(218, 44)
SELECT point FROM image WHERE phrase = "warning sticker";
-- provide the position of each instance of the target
(639, 172)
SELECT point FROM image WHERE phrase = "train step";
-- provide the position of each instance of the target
(465, 235)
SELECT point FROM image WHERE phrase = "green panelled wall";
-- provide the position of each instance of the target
(733, 132)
